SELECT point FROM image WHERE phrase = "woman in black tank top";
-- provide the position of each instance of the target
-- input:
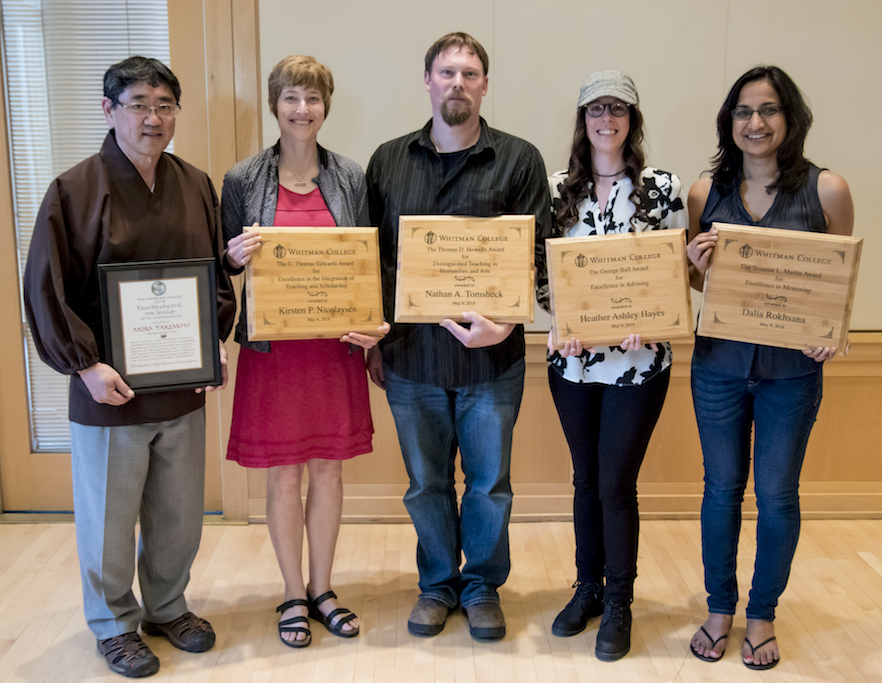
(760, 177)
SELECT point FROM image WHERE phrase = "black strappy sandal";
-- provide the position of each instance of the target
(328, 621)
(287, 625)
(708, 658)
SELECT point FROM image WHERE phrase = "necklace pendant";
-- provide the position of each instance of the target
(300, 184)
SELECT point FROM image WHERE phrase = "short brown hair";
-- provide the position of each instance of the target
(300, 70)
(461, 40)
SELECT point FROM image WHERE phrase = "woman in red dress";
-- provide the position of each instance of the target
(299, 403)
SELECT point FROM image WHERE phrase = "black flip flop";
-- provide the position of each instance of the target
(706, 658)
(759, 667)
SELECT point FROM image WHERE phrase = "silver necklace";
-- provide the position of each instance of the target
(300, 182)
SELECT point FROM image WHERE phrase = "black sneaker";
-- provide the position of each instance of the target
(614, 637)
(586, 604)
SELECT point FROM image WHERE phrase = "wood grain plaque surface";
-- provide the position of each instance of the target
(781, 288)
(448, 265)
(314, 283)
(606, 287)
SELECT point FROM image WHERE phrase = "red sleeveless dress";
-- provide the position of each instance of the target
(306, 398)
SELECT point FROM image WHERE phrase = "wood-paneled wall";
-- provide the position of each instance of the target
(14, 439)
(842, 475)
(219, 69)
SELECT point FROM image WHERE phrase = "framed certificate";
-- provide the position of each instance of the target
(314, 283)
(782, 288)
(606, 287)
(160, 323)
(448, 265)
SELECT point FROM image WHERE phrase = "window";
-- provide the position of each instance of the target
(55, 56)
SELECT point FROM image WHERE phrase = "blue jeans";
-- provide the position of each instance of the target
(783, 412)
(432, 422)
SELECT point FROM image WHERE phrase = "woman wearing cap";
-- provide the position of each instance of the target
(608, 399)
(761, 178)
(299, 404)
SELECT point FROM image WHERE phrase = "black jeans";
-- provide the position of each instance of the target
(608, 430)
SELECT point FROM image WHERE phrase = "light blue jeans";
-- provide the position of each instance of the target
(432, 422)
(782, 412)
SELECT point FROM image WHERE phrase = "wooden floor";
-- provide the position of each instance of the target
(829, 622)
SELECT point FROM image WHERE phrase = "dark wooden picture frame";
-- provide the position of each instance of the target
(113, 275)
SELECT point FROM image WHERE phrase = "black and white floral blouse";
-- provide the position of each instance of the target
(611, 365)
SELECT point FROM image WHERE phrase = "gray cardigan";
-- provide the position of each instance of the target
(251, 192)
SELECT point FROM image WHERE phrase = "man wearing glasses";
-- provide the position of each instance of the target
(131, 454)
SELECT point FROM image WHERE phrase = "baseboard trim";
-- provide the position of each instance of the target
(382, 504)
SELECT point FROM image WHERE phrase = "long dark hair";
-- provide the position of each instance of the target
(793, 167)
(579, 182)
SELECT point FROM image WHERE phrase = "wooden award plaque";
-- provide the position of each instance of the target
(606, 287)
(781, 288)
(448, 265)
(314, 283)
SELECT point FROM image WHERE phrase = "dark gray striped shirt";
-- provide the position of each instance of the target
(500, 175)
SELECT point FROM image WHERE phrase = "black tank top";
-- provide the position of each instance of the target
(800, 210)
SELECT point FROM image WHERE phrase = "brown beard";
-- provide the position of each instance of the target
(456, 117)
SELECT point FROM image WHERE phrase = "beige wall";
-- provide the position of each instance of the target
(684, 55)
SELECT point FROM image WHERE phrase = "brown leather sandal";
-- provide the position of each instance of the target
(188, 632)
(128, 655)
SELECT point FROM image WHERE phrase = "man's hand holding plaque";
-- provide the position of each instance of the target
(106, 385)
(480, 333)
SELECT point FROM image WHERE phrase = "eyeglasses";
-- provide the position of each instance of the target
(164, 109)
(617, 109)
(767, 111)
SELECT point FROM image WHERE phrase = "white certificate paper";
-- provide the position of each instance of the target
(160, 325)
